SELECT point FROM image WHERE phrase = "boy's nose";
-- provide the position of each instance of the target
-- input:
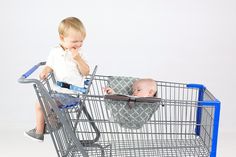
(79, 45)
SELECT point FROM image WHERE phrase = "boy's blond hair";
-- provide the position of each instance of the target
(71, 22)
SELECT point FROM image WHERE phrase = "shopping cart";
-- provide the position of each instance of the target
(184, 123)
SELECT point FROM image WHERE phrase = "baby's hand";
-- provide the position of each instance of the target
(108, 90)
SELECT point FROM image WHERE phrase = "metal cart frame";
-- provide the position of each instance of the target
(186, 124)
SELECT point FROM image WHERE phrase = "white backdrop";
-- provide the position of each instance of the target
(189, 41)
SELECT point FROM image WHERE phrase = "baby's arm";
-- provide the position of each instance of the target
(44, 73)
(82, 65)
(109, 90)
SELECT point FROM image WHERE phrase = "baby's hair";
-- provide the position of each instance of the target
(71, 22)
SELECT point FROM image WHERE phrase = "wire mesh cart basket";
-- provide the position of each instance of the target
(182, 123)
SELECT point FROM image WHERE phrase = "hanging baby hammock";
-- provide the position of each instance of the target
(129, 111)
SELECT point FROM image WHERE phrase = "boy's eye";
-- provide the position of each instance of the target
(77, 41)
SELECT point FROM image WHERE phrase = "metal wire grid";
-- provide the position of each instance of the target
(170, 132)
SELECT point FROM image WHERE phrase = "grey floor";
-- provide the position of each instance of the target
(14, 144)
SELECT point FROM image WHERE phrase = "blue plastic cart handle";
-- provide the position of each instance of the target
(30, 71)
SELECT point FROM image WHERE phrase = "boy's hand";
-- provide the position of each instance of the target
(83, 67)
(74, 52)
(43, 75)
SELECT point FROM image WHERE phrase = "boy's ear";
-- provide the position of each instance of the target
(61, 37)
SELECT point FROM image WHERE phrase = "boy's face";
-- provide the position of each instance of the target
(141, 89)
(72, 40)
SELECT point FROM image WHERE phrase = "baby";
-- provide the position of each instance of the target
(140, 88)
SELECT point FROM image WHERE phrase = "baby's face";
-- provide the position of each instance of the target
(141, 89)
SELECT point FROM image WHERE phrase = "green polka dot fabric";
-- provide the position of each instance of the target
(128, 117)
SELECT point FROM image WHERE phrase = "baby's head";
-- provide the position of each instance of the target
(144, 88)
(72, 33)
